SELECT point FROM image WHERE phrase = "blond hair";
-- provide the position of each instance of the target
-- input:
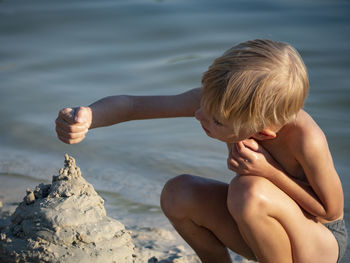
(256, 84)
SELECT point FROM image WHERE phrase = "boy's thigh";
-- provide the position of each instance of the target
(206, 205)
(202, 199)
(186, 195)
(310, 240)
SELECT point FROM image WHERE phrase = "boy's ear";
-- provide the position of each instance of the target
(265, 134)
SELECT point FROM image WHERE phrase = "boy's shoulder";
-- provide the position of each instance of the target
(304, 135)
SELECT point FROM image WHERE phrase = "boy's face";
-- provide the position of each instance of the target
(218, 129)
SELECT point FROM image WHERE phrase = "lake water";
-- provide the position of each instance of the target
(55, 54)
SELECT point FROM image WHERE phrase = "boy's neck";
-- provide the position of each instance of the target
(273, 132)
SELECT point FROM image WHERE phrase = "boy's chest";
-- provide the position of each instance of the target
(281, 153)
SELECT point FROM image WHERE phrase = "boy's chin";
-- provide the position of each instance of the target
(228, 140)
(225, 140)
(214, 137)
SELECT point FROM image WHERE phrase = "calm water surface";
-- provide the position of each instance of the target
(55, 54)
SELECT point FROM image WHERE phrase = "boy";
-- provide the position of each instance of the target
(286, 202)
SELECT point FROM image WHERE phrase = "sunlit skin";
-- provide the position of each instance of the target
(286, 185)
(248, 157)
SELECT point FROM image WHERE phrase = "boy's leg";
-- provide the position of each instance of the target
(275, 227)
(197, 207)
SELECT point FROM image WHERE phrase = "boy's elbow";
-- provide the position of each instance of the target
(332, 214)
(330, 217)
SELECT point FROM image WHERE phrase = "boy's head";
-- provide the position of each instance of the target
(255, 85)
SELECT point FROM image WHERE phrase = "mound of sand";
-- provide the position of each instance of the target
(64, 222)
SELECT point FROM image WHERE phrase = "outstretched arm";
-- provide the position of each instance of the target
(72, 124)
(116, 109)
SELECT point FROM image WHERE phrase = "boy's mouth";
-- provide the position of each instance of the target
(206, 130)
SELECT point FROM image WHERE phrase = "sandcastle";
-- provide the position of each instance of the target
(64, 222)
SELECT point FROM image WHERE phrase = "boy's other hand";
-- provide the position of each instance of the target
(248, 157)
(252, 144)
(72, 124)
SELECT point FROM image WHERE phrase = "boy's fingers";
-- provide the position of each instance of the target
(71, 125)
(78, 127)
(236, 151)
(240, 146)
(80, 115)
(243, 151)
(251, 144)
(67, 114)
(232, 162)
(229, 165)
(70, 135)
(70, 141)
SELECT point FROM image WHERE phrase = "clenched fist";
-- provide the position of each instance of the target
(72, 124)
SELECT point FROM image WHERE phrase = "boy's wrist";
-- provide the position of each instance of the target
(89, 121)
(94, 117)
(274, 171)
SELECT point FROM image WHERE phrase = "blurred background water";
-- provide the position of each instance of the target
(55, 54)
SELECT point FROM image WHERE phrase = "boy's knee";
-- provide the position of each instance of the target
(176, 195)
(246, 199)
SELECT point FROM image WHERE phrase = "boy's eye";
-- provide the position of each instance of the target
(217, 122)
